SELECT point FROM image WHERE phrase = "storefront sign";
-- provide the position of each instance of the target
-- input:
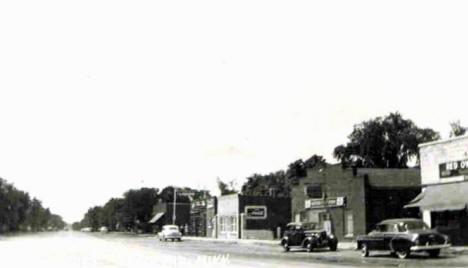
(454, 168)
(255, 212)
(322, 203)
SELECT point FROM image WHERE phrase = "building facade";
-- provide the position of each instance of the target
(163, 213)
(251, 217)
(202, 217)
(444, 173)
(349, 202)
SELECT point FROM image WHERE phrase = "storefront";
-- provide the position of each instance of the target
(252, 217)
(443, 201)
(349, 202)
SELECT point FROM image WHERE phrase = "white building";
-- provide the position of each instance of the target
(444, 177)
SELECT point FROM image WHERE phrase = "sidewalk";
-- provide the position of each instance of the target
(341, 245)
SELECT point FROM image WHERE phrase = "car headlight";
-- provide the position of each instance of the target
(331, 236)
(447, 239)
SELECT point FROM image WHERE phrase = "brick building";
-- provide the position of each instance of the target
(349, 202)
(251, 217)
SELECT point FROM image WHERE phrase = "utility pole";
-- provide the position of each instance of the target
(174, 207)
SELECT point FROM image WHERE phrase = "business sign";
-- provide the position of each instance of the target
(256, 212)
(453, 168)
(324, 203)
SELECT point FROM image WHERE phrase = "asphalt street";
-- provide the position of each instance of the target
(75, 249)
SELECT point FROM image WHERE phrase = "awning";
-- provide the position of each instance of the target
(451, 196)
(156, 217)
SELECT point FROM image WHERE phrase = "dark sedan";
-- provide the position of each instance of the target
(401, 237)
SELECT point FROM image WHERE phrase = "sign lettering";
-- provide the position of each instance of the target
(454, 168)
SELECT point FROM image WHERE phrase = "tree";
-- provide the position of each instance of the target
(226, 188)
(274, 183)
(456, 129)
(388, 142)
(296, 169)
(111, 215)
(138, 206)
(279, 183)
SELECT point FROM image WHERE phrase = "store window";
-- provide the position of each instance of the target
(349, 223)
(233, 224)
(314, 190)
(223, 224)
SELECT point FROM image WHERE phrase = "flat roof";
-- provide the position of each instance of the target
(398, 220)
(442, 141)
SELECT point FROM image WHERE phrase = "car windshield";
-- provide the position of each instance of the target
(172, 228)
(412, 225)
(309, 226)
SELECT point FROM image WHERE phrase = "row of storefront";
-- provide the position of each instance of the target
(347, 202)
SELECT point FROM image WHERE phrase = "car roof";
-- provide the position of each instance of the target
(294, 223)
(393, 221)
(170, 225)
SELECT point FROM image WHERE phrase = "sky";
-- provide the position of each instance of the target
(98, 97)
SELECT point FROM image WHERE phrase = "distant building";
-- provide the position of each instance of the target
(349, 202)
(202, 217)
(163, 214)
(251, 217)
(444, 175)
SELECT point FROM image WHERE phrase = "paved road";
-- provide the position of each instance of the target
(74, 249)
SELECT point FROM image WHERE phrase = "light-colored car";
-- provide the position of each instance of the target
(86, 229)
(170, 232)
(103, 229)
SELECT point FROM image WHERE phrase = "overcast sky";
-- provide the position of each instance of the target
(97, 97)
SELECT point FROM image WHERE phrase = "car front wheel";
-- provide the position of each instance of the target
(364, 250)
(434, 253)
(333, 247)
(402, 253)
(285, 246)
(310, 247)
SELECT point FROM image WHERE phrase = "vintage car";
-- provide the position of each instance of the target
(306, 235)
(401, 237)
(170, 232)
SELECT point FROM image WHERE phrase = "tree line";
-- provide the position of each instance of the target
(133, 211)
(18, 212)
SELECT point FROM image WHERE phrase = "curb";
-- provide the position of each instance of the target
(343, 246)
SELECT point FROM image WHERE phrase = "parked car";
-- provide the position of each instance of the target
(170, 232)
(401, 237)
(308, 236)
(86, 229)
(103, 229)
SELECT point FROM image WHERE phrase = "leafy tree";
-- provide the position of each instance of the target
(388, 142)
(112, 213)
(272, 184)
(456, 129)
(279, 183)
(138, 206)
(296, 169)
(92, 218)
(226, 188)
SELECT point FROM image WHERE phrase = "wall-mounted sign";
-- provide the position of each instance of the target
(454, 168)
(323, 203)
(256, 212)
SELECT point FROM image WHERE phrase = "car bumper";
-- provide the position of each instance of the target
(172, 236)
(429, 247)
